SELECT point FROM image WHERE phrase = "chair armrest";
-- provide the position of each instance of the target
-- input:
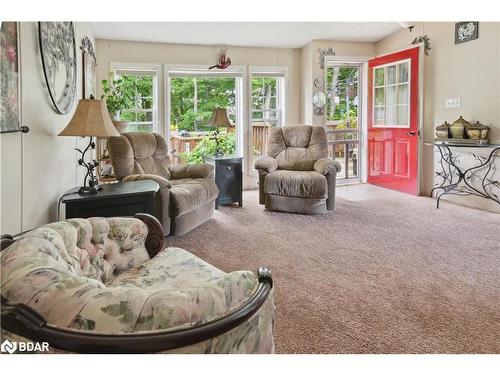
(326, 165)
(162, 181)
(202, 170)
(266, 163)
(155, 241)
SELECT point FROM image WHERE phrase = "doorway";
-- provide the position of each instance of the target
(343, 86)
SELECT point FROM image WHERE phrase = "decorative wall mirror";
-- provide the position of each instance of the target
(58, 52)
(89, 66)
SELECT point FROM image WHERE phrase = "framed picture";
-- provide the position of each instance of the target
(466, 31)
(9, 78)
(89, 68)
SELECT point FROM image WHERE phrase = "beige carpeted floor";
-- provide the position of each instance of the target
(384, 274)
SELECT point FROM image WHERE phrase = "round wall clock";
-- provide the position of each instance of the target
(58, 52)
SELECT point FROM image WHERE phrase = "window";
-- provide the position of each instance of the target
(141, 89)
(194, 94)
(267, 107)
(391, 92)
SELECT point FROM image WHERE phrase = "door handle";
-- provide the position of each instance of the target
(413, 133)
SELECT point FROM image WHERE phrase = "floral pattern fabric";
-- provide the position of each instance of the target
(95, 275)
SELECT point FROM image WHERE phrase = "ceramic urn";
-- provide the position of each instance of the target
(443, 131)
(457, 129)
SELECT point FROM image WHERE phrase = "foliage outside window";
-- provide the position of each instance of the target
(140, 112)
(342, 94)
(192, 102)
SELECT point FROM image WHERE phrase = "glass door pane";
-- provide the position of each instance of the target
(343, 113)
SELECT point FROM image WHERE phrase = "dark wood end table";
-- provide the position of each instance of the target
(120, 199)
(228, 177)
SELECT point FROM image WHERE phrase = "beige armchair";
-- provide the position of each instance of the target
(187, 192)
(296, 175)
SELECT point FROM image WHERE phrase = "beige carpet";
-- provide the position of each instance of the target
(385, 275)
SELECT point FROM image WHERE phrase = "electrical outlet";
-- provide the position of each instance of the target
(453, 103)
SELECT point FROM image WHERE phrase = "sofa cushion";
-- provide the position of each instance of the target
(304, 184)
(188, 194)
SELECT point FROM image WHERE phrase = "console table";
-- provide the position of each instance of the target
(458, 181)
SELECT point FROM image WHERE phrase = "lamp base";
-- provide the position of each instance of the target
(89, 190)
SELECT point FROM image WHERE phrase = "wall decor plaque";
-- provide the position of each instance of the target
(58, 53)
(466, 31)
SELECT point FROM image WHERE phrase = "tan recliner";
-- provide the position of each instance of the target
(296, 175)
(187, 192)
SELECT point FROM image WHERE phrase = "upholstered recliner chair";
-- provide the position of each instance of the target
(102, 285)
(187, 192)
(296, 175)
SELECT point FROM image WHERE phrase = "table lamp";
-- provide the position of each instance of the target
(91, 119)
(219, 120)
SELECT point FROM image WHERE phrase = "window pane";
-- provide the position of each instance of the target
(127, 116)
(391, 95)
(403, 93)
(379, 96)
(379, 76)
(402, 115)
(403, 72)
(391, 116)
(379, 116)
(391, 75)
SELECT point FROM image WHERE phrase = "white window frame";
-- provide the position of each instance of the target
(384, 86)
(157, 109)
(281, 93)
(237, 72)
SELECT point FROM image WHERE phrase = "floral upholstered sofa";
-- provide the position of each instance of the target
(109, 286)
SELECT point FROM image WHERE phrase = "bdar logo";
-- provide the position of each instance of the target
(8, 346)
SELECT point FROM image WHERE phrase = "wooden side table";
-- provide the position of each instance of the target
(228, 177)
(120, 199)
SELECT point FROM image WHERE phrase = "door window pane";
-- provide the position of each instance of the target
(402, 115)
(390, 98)
(379, 96)
(390, 116)
(379, 116)
(391, 75)
(403, 72)
(403, 93)
(379, 77)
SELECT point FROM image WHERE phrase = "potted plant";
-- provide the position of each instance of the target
(116, 100)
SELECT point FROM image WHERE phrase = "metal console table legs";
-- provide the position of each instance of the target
(459, 181)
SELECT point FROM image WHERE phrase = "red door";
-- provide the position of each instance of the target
(393, 123)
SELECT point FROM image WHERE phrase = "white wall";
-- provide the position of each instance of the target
(37, 167)
(470, 71)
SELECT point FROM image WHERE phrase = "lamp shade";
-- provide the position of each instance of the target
(219, 119)
(91, 119)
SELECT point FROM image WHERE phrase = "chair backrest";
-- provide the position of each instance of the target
(297, 147)
(139, 153)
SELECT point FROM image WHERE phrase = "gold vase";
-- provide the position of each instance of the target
(457, 129)
(443, 131)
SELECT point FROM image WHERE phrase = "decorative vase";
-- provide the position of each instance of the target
(443, 131)
(457, 129)
(474, 130)
(485, 131)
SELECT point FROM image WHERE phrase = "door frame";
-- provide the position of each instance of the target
(420, 121)
(361, 61)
